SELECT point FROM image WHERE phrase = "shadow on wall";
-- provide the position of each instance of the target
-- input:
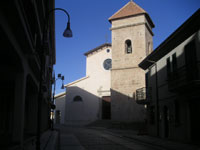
(125, 109)
(81, 107)
(178, 93)
(11, 69)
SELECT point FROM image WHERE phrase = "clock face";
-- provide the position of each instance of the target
(107, 64)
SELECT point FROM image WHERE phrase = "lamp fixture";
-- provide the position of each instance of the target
(68, 31)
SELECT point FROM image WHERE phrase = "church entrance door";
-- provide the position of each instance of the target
(106, 108)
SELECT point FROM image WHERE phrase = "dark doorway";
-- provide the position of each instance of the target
(195, 124)
(166, 121)
(58, 115)
(7, 90)
(106, 113)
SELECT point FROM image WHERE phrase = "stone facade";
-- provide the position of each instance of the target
(126, 76)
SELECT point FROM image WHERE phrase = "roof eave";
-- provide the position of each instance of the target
(99, 47)
(123, 17)
(189, 27)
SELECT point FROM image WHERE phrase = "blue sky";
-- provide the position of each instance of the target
(90, 26)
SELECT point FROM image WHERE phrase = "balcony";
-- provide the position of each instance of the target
(143, 95)
(184, 79)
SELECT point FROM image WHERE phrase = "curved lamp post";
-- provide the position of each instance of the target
(62, 87)
(67, 33)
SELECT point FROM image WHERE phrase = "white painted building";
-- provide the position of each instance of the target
(83, 102)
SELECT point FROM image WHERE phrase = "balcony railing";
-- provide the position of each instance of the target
(143, 95)
(183, 79)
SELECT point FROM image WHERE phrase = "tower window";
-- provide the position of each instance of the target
(128, 46)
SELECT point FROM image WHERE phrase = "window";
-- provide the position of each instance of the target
(191, 61)
(107, 64)
(77, 99)
(128, 47)
(108, 50)
(168, 67)
(174, 62)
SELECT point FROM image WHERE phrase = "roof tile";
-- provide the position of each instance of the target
(129, 9)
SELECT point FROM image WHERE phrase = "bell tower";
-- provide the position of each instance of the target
(131, 29)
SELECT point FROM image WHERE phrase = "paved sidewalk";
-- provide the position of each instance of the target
(49, 140)
(68, 141)
(131, 132)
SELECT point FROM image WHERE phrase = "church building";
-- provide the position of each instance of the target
(112, 73)
(88, 99)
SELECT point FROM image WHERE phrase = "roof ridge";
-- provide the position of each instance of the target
(97, 48)
(137, 5)
(119, 10)
(60, 94)
(141, 10)
(76, 81)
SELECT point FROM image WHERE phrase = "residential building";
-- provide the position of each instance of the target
(25, 105)
(173, 84)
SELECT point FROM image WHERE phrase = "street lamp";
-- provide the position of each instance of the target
(54, 81)
(67, 33)
(53, 101)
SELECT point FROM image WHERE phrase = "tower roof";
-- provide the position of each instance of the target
(130, 9)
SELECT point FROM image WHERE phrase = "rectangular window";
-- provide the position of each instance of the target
(168, 67)
(174, 63)
(190, 61)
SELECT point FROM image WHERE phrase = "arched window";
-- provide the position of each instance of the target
(128, 46)
(77, 99)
